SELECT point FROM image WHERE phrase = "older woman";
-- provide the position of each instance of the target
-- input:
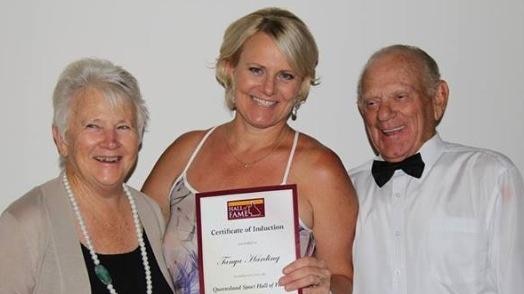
(86, 231)
(267, 63)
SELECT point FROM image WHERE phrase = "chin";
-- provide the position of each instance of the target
(108, 181)
(262, 123)
(394, 158)
(392, 152)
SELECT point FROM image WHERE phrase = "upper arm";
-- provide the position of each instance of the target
(508, 236)
(168, 167)
(332, 198)
(17, 258)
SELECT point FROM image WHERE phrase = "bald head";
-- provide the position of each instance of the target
(413, 58)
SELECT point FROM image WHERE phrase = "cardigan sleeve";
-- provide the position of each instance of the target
(17, 259)
(23, 238)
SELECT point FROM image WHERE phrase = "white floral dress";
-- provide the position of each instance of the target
(180, 240)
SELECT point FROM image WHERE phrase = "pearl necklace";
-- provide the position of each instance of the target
(101, 272)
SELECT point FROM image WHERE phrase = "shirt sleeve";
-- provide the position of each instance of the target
(16, 266)
(507, 252)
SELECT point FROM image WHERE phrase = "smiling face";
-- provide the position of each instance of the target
(265, 85)
(397, 111)
(101, 142)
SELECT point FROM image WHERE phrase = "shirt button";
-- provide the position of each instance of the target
(397, 195)
(397, 233)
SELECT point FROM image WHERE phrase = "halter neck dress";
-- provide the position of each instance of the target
(180, 241)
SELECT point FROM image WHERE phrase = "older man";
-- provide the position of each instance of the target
(435, 217)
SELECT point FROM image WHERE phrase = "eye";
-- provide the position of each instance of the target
(370, 104)
(401, 96)
(287, 76)
(123, 127)
(255, 70)
(92, 126)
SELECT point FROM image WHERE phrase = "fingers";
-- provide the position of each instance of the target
(307, 273)
(302, 262)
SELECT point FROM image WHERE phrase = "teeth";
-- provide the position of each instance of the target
(389, 131)
(263, 102)
(109, 159)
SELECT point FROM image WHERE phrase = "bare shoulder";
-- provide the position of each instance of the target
(321, 175)
(169, 166)
(173, 159)
(314, 159)
(180, 150)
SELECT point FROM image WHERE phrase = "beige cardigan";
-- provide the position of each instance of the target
(39, 249)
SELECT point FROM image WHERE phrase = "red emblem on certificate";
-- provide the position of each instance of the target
(248, 208)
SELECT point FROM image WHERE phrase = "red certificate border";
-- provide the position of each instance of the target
(199, 196)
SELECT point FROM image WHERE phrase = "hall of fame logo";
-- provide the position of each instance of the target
(246, 208)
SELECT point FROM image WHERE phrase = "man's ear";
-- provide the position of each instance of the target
(440, 100)
(60, 142)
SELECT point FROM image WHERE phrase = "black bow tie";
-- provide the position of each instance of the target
(382, 171)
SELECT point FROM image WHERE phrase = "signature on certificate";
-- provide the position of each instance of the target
(252, 258)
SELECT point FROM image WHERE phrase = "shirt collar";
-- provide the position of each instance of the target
(431, 151)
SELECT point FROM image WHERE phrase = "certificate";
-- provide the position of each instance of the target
(246, 238)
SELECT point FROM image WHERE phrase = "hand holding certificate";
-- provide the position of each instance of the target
(246, 238)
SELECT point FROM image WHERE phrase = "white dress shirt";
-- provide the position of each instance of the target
(458, 229)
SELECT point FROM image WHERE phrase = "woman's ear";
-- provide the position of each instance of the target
(229, 68)
(225, 73)
(60, 142)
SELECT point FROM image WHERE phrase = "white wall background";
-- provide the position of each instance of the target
(170, 47)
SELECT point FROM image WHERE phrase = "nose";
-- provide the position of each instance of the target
(110, 139)
(269, 86)
(386, 111)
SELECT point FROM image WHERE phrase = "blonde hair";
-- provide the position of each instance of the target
(289, 33)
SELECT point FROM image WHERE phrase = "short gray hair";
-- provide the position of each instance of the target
(115, 83)
(419, 59)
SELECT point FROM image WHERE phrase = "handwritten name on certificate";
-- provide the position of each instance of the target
(246, 237)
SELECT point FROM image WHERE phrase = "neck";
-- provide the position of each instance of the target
(245, 138)
(97, 198)
(249, 146)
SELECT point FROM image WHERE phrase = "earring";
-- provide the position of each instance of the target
(233, 102)
(294, 111)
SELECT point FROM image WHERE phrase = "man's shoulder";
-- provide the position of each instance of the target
(477, 156)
